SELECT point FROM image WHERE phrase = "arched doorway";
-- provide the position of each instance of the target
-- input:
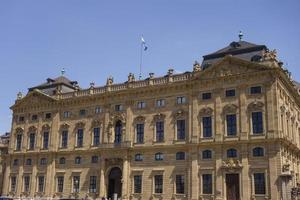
(114, 182)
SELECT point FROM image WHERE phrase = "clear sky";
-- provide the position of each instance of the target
(93, 39)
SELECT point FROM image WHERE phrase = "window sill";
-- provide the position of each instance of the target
(258, 136)
(180, 141)
(207, 139)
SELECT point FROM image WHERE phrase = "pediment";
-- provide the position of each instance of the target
(33, 98)
(230, 66)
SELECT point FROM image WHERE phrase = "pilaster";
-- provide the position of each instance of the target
(125, 177)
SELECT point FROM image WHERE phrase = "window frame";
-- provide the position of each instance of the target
(159, 156)
(160, 103)
(205, 152)
(180, 155)
(60, 184)
(181, 131)
(158, 188)
(138, 190)
(181, 100)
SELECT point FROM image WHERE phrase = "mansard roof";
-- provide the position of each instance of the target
(61, 80)
(241, 49)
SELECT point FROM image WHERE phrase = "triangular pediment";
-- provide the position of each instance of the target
(34, 97)
(230, 66)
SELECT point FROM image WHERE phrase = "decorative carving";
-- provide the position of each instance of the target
(270, 55)
(131, 77)
(80, 124)
(32, 129)
(110, 80)
(230, 108)
(159, 117)
(286, 167)
(46, 127)
(118, 116)
(196, 67)
(256, 105)
(206, 111)
(65, 126)
(19, 130)
(180, 114)
(96, 123)
(231, 164)
(139, 119)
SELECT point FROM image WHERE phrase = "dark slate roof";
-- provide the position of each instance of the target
(242, 49)
(61, 80)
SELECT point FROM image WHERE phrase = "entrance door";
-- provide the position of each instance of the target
(114, 183)
(232, 187)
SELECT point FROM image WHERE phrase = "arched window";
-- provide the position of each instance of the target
(78, 160)
(206, 154)
(118, 132)
(62, 160)
(138, 157)
(231, 153)
(159, 156)
(28, 161)
(180, 156)
(258, 152)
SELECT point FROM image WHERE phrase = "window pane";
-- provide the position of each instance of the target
(60, 184)
(64, 139)
(93, 184)
(118, 132)
(230, 93)
(206, 95)
(231, 153)
(96, 136)
(206, 154)
(231, 125)
(159, 131)
(259, 183)
(140, 133)
(258, 151)
(180, 129)
(257, 122)
(179, 184)
(80, 137)
(45, 140)
(180, 156)
(207, 183)
(137, 184)
(76, 183)
(255, 90)
(158, 184)
(207, 127)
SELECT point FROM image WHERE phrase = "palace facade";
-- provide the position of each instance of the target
(229, 129)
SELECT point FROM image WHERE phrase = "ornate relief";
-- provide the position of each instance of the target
(179, 114)
(159, 117)
(32, 129)
(256, 105)
(231, 165)
(206, 111)
(96, 123)
(46, 127)
(139, 119)
(118, 116)
(230, 108)
(65, 126)
(270, 55)
(19, 130)
(80, 125)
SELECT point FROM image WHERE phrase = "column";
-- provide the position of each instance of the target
(219, 190)
(102, 179)
(125, 179)
(33, 177)
(6, 177)
(194, 175)
(274, 170)
(245, 179)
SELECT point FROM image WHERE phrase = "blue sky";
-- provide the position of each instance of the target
(94, 39)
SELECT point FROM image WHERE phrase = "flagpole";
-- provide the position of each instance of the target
(141, 61)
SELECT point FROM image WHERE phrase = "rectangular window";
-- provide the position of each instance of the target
(41, 183)
(34, 117)
(46, 140)
(231, 124)
(94, 159)
(259, 183)
(48, 115)
(206, 95)
(93, 184)
(67, 114)
(96, 140)
(18, 142)
(141, 105)
(181, 129)
(206, 183)
(159, 131)
(255, 90)
(82, 112)
(257, 123)
(118, 107)
(76, 183)
(207, 127)
(26, 183)
(140, 133)
(158, 184)
(60, 184)
(98, 110)
(13, 183)
(137, 179)
(230, 93)
(79, 137)
(160, 103)
(179, 184)
(181, 100)
(64, 139)
(21, 119)
(31, 141)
